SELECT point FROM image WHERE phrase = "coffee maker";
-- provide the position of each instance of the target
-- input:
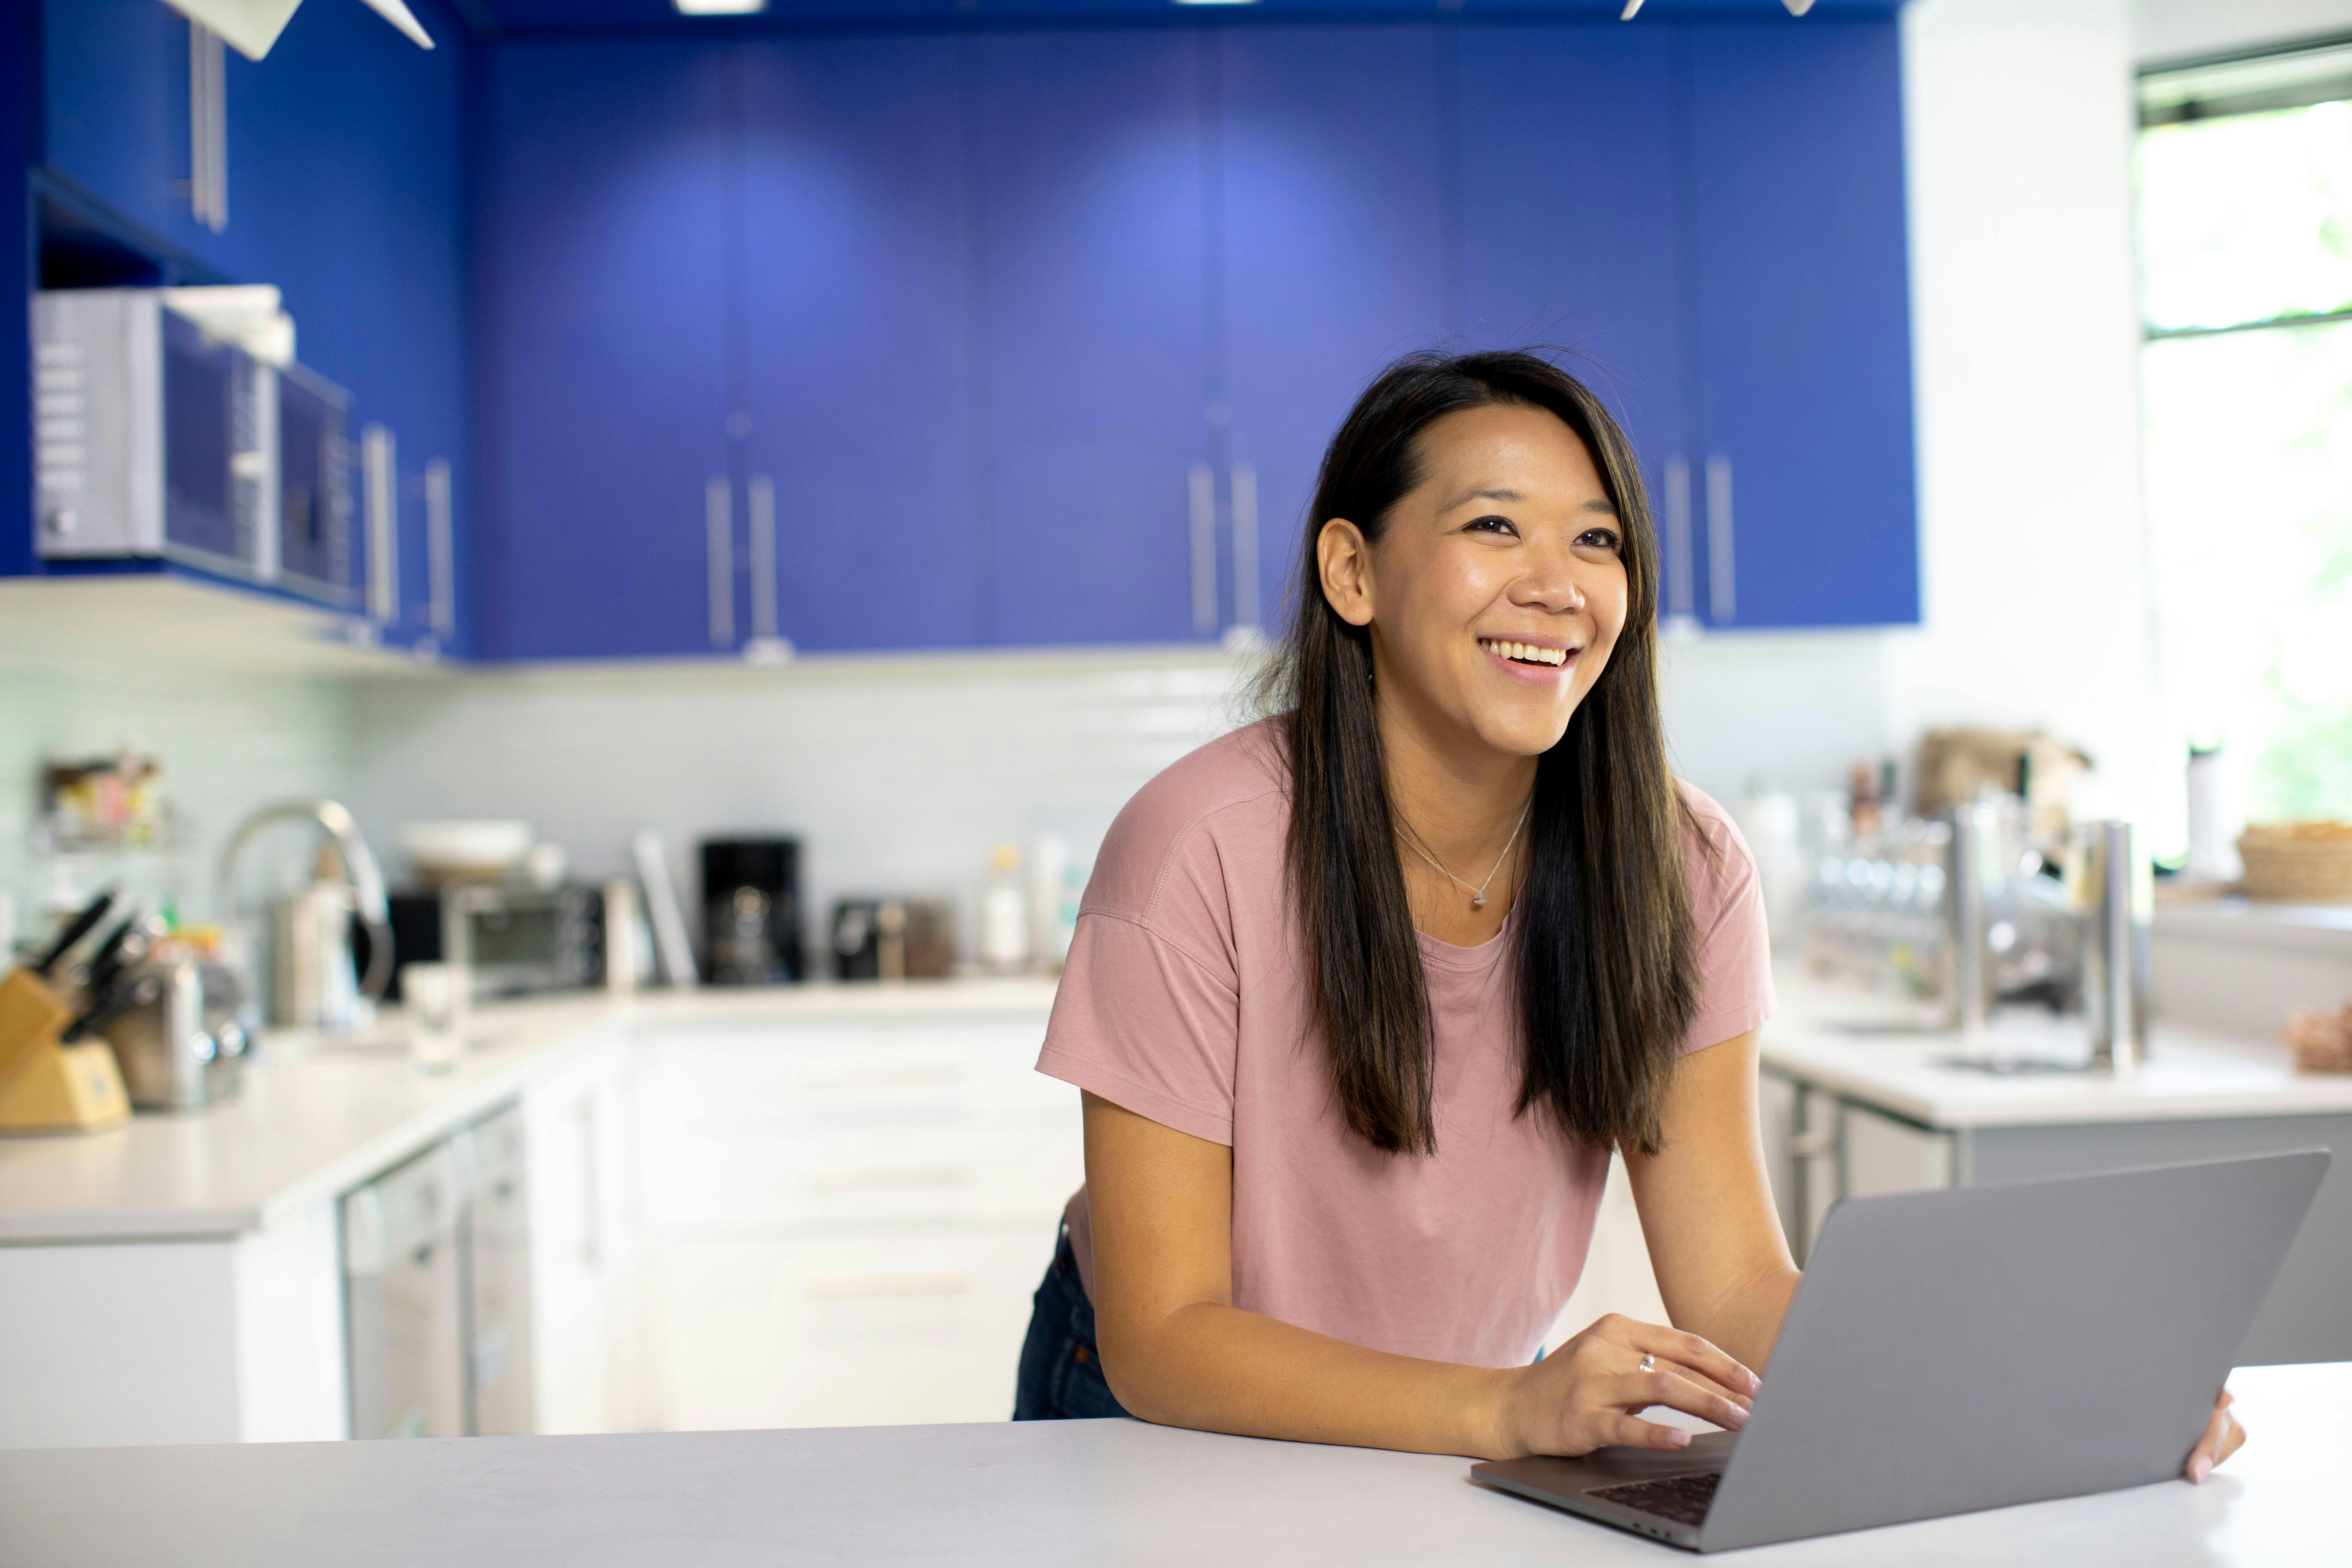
(751, 911)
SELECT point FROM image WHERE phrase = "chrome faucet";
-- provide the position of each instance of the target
(2119, 904)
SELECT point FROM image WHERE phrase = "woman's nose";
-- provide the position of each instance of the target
(1550, 583)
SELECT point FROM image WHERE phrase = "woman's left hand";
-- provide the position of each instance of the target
(2223, 1437)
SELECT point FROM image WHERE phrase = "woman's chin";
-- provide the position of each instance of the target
(1513, 735)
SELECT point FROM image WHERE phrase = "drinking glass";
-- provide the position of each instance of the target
(435, 996)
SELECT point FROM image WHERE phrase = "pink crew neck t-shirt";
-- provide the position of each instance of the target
(1184, 1000)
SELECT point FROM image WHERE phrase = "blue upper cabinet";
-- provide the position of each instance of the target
(1092, 260)
(860, 503)
(605, 250)
(1336, 259)
(1802, 319)
(1568, 189)
(355, 206)
(345, 188)
(114, 105)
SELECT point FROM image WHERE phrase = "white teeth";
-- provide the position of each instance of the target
(1527, 653)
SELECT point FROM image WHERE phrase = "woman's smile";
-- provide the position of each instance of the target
(1540, 661)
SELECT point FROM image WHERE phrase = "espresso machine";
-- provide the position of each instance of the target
(751, 911)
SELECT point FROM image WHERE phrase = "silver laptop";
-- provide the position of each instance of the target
(1970, 1349)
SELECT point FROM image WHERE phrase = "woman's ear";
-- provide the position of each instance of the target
(1344, 560)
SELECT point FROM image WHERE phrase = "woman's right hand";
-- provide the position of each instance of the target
(1584, 1396)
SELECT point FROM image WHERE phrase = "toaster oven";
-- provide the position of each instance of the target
(511, 941)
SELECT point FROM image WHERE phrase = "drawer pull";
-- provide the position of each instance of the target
(910, 1282)
(890, 1176)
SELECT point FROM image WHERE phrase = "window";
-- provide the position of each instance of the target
(2244, 173)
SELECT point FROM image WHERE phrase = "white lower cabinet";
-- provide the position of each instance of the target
(843, 1224)
(842, 1330)
(586, 1287)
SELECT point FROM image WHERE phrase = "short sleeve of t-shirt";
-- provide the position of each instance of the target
(1735, 950)
(1148, 1025)
(1148, 1015)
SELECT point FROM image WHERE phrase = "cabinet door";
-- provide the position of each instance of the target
(348, 192)
(1092, 258)
(583, 1257)
(605, 237)
(1334, 260)
(858, 352)
(1568, 203)
(1803, 324)
(114, 108)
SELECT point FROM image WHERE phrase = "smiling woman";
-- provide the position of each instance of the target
(1484, 584)
(1363, 996)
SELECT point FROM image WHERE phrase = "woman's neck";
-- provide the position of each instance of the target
(1462, 803)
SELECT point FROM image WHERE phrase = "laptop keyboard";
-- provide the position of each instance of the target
(1682, 1499)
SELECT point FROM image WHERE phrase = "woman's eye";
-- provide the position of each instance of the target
(1492, 524)
(1600, 539)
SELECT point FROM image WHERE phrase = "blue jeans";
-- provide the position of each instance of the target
(1061, 1369)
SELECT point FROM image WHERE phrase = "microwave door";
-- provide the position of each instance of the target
(314, 492)
(210, 510)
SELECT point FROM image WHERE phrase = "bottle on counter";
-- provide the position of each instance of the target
(1052, 901)
(1003, 914)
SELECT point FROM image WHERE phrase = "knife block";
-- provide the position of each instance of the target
(46, 1086)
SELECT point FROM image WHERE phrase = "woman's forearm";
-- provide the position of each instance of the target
(1218, 1368)
(1745, 1320)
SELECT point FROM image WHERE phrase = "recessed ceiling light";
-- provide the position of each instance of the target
(719, 7)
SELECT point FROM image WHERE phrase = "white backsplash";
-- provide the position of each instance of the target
(227, 744)
(897, 773)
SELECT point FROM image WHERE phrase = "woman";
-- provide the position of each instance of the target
(1363, 996)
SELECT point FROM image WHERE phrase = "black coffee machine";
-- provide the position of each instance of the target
(751, 911)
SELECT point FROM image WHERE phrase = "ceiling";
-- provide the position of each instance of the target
(535, 16)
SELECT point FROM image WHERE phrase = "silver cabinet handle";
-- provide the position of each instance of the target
(591, 1195)
(379, 468)
(207, 129)
(1722, 601)
(719, 543)
(1246, 607)
(762, 499)
(440, 548)
(1203, 490)
(1681, 603)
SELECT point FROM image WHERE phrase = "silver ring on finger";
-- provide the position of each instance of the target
(1649, 1364)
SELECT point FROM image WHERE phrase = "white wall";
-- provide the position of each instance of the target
(2187, 29)
(2033, 553)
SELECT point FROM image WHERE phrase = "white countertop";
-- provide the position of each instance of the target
(1892, 1053)
(312, 1122)
(1042, 1494)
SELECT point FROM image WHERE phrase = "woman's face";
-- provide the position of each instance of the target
(1499, 589)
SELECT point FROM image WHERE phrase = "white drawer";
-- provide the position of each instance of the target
(751, 1178)
(817, 1081)
(827, 1332)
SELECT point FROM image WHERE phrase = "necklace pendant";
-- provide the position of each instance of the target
(1478, 899)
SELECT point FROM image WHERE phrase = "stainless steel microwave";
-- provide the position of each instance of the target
(154, 439)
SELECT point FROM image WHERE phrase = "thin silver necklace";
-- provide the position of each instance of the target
(1478, 893)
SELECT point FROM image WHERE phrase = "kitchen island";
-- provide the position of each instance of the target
(1035, 1495)
(1864, 1095)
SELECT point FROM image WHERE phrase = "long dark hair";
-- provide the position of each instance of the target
(1607, 955)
